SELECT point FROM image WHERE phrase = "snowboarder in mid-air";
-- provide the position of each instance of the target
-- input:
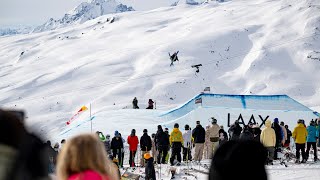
(174, 57)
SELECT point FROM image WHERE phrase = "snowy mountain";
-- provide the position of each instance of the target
(14, 31)
(256, 47)
(84, 12)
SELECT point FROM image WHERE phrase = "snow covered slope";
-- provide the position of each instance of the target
(84, 12)
(245, 47)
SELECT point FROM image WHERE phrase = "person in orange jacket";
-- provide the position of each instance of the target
(133, 142)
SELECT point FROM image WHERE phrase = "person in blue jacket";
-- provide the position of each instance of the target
(313, 135)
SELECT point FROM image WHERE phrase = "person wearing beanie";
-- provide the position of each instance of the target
(133, 146)
(145, 145)
(234, 158)
(117, 147)
(162, 144)
(213, 133)
(176, 141)
(150, 173)
(235, 131)
(279, 136)
(313, 135)
(268, 139)
(299, 135)
(187, 143)
(199, 136)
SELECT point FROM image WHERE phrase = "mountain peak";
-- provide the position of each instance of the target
(84, 12)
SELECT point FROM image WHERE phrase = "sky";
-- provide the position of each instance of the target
(16, 13)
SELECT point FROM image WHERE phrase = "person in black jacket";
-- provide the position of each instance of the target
(145, 145)
(235, 131)
(289, 134)
(117, 147)
(199, 136)
(223, 136)
(135, 103)
(246, 135)
(162, 144)
(279, 134)
(256, 132)
(149, 170)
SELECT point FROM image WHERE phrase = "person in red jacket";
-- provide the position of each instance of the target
(133, 146)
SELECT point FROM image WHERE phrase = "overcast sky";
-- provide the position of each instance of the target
(36, 12)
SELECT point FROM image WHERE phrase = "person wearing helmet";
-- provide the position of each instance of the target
(176, 141)
(117, 147)
(299, 135)
(133, 145)
(199, 136)
(187, 143)
(213, 133)
(145, 145)
(150, 173)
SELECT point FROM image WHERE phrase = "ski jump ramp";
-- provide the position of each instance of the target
(245, 108)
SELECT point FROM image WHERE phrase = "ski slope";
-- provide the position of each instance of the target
(257, 47)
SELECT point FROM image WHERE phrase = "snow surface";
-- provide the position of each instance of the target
(245, 47)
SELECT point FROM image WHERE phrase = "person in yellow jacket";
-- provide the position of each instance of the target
(268, 139)
(176, 141)
(299, 135)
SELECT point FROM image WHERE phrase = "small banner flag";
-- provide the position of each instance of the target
(198, 101)
(207, 89)
(82, 109)
(316, 113)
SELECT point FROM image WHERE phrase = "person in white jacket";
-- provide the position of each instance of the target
(187, 143)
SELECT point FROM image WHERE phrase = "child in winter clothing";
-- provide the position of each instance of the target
(149, 169)
(312, 140)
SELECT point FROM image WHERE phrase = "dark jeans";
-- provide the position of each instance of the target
(277, 149)
(131, 158)
(117, 153)
(187, 154)
(163, 151)
(314, 147)
(302, 148)
(176, 152)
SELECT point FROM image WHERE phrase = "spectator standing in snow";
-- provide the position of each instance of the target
(223, 136)
(256, 132)
(117, 147)
(234, 158)
(84, 157)
(162, 144)
(289, 135)
(199, 136)
(268, 139)
(145, 145)
(284, 131)
(300, 134)
(186, 143)
(279, 136)
(235, 131)
(135, 103)
(312, 140)
(133, 146)
(52, 157)
(150, 104)
(213, 133)
(206, 144)
(150, 173)
(176, 141)
(154, 150)
(246, 134)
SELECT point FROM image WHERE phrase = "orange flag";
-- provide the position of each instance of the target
(83, 108)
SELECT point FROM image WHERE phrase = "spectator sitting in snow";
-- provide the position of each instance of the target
(150, 104)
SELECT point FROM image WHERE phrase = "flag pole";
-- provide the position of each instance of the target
(90, 118)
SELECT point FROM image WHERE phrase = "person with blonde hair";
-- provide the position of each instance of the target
(84, 157)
